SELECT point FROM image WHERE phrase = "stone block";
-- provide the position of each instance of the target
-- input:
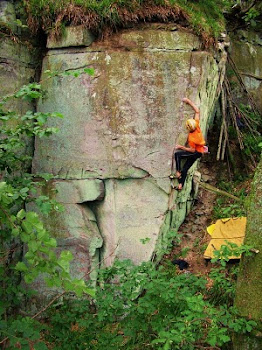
(152, 39)
(7, 15)
(132, 211)
(79, 191)
(72, 36)
(196, 180)
(76, 230)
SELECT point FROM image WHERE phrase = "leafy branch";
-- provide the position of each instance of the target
(27, 249)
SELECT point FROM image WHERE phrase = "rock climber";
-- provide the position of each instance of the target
(196, 147)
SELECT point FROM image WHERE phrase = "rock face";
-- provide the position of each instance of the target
(246, 52)
(120, 127)
(16, 61)
(17, 64)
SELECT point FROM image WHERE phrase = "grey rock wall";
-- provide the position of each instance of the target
(17, 64)
(246, 52)
(120, 127)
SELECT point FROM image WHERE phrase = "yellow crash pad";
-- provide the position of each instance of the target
(230, 229)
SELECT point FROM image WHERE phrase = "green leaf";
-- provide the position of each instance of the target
(225, 338)
(212, 341)
(51, 243)
(15, 232)
(27, 226)
(249, 328)
(90, 291)
(42, 118)
(157, 341)
(32, 217)
(89, 71)
(42, 235)
(167, 346)
(25, 237)
(57, 115)
(66, 255)
(40, 346)
(20, 266)
(21, 214)
(33, 245)
(145, 240)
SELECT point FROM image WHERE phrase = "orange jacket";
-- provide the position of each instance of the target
(196, 140)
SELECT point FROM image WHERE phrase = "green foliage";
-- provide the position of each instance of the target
(145, 240)
(223, 286)
(166, 243)
(205, 16)
(145, 306)
(75, 73)
(27, 249)
(229, 250)
(224, 276)
(248, 129)
(251, 17)
(223, 208)
(24, 333)
(251, 139)
(249, 12)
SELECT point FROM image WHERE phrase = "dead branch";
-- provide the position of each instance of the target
(251, 75)
(233, 114)
(213, 189)
(224, 130)
(250, 98)
(244, 11)
(220, 140)
(223, 149)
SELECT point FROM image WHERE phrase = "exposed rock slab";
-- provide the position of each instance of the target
(125, 121)
(79, 191)
(17, 68)
(7, 15)
(72, 36)
(246, 52)
(121, 126)
(130, 215)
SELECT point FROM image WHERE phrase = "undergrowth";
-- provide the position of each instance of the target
(27, 249)
(225, 207)
(145, 306)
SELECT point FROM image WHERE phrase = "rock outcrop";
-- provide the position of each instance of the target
(246, 52)
(17, 61)
(120, 127)
(17, 64)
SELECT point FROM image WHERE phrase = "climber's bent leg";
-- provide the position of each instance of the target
(178, 155)
(190, 160)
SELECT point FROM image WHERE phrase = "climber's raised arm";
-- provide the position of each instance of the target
(195, 108)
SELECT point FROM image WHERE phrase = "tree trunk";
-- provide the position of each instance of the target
(249, 285)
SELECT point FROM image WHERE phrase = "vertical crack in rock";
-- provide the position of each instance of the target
(104, 212)
(95, 242)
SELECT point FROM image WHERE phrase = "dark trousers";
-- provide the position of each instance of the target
(190, 160)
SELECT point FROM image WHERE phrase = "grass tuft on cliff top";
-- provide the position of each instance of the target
(204, 17)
